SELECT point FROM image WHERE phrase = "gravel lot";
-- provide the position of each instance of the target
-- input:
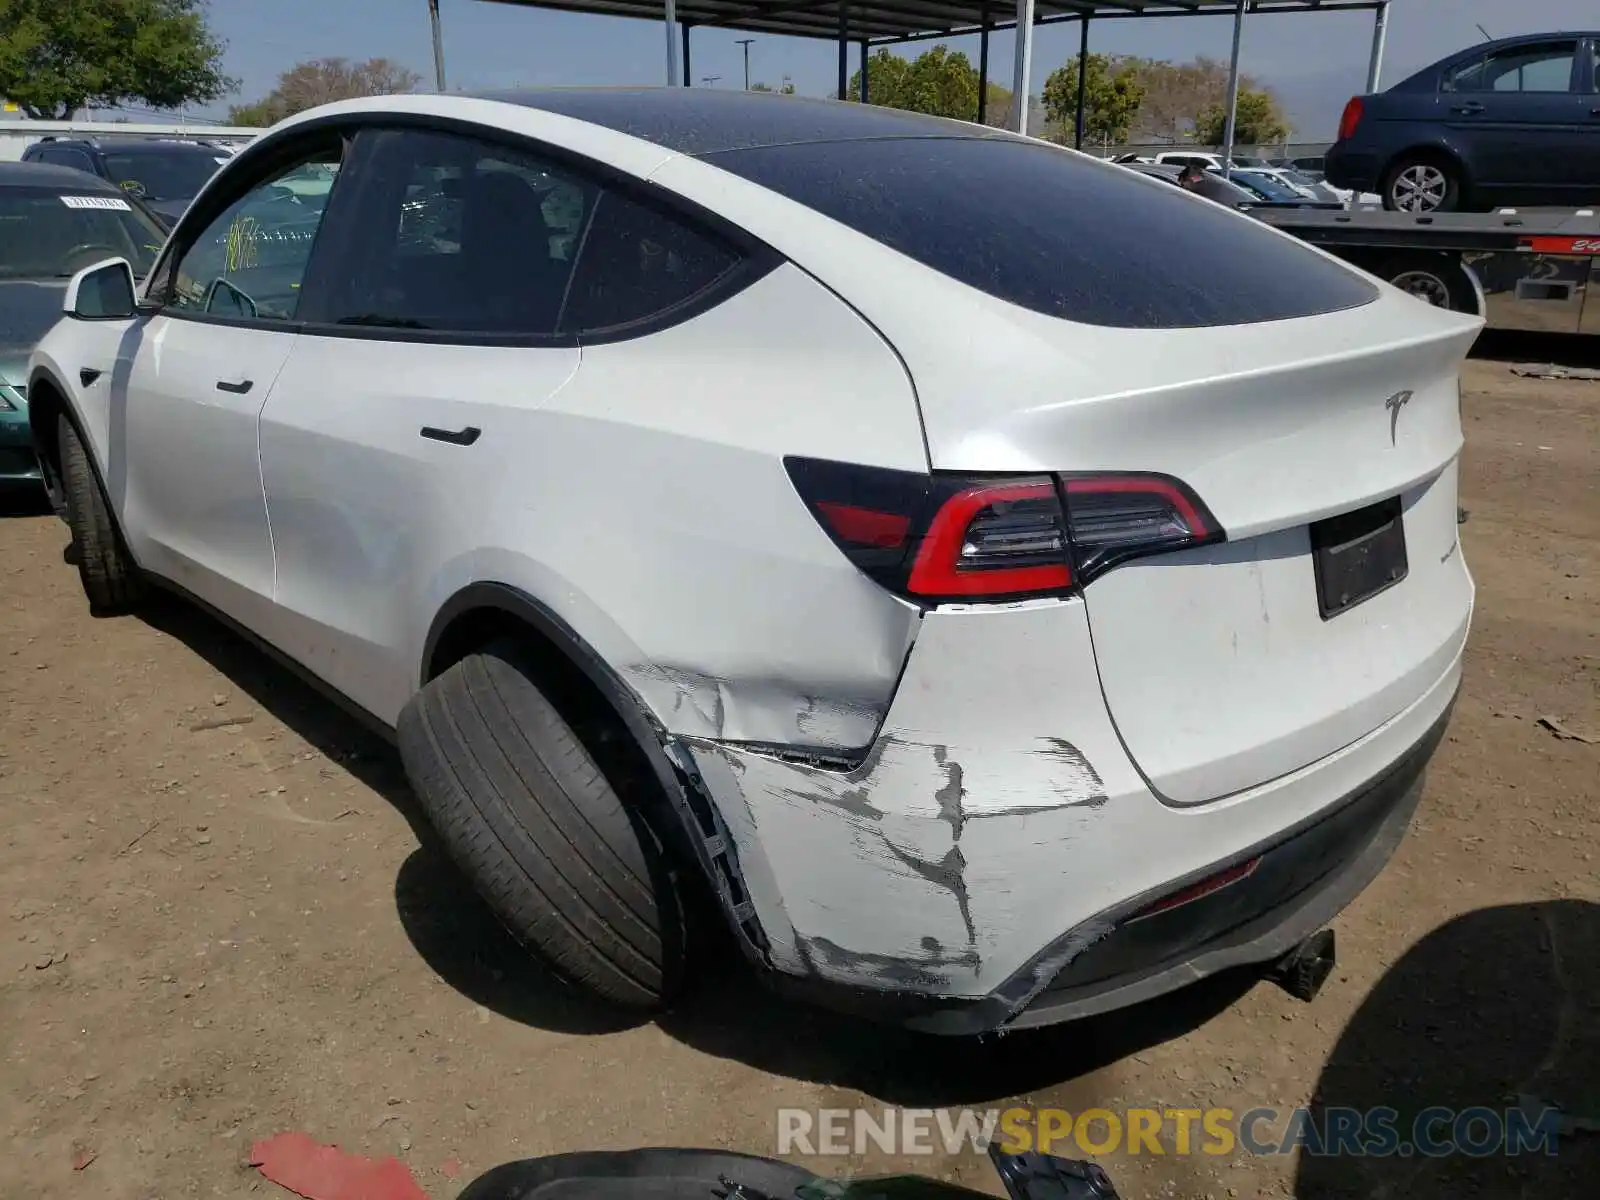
(211, 932)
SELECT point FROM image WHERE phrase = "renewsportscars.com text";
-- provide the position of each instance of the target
(1377, 1132)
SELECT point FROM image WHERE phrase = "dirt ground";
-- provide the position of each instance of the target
(210, 934)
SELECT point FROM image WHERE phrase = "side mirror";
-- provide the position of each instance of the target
(102, 292)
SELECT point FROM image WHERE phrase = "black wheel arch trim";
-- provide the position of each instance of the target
(55, 487)
(698, 829)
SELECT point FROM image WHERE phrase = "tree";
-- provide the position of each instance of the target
(1111, 99)
(1258, 122)
(1175, 94)
(997, 105)
(57, 56)
(1182, 100)
(939, 81)
(322, 81)
(786, 90)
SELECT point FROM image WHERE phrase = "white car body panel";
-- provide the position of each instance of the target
(978, 833)
(194, 509)
(1020, 767)
(1244, 635)
(375, 525)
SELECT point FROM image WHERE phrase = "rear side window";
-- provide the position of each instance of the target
(638, 263)
(1539, 67)
(1056, 232)
(65, 156)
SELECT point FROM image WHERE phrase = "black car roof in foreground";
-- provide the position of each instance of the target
(707, 121)
(44, 175)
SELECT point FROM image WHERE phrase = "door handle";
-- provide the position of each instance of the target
(238, 389)
(456, 437)
(1470, 108)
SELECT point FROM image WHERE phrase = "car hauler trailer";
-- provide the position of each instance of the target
(1535, 269)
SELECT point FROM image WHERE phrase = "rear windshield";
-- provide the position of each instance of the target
(163, 174)
(48, 233)
(1056, 232)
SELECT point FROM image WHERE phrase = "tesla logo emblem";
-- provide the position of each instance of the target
(1394, 404)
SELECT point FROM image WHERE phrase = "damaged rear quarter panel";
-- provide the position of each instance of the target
(648, 506)
(933, 866)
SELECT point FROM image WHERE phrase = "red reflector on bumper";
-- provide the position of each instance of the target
(1195, 891)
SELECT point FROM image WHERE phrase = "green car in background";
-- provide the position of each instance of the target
(53, 223)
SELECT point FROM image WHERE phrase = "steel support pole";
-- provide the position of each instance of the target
(864, 54)
(1022, 69)
(438, 46)
(983, 68)
(745, 42)
(1233, 90)
(688, 71)
(672, 44)
(1380, 37)
(844, 51)
(1083, 82)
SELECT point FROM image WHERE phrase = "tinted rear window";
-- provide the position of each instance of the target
(1055, 232)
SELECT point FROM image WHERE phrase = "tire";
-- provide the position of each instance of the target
(533, 822)
(1437, 279)
(109, 575)
(1422, 184)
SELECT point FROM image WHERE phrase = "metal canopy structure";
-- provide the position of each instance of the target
(873, 23)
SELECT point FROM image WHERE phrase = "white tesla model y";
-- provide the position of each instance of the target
(1011, 586)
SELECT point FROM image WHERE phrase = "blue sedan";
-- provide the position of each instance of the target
(1513, 122)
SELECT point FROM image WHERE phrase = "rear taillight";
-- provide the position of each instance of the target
(994, 539)
(945, 537)
(1351, 117)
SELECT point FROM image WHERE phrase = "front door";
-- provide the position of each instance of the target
(204, 365)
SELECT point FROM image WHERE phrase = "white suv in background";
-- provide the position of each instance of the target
(716, 489)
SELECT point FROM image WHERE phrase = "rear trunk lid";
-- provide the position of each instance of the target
(1218, 664)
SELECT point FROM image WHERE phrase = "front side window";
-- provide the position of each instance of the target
(46, 233)
(455, 235)
(248, 262)
(1541, 67)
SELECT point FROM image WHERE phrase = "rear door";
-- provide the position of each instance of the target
(1521, 116)
(431, 317)
(435, 338)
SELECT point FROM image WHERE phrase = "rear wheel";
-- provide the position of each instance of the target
(534, 823)
(109, 575)
(1422, 183)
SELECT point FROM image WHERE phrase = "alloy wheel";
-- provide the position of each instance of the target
(1420, 188)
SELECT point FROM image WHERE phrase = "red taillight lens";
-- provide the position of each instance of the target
(958, 538)
(993, 540)
(1351, 117)
(1117, 517)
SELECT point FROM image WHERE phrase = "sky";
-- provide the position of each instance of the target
(1315, 61)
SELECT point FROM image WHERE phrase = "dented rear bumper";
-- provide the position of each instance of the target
(982, 866)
